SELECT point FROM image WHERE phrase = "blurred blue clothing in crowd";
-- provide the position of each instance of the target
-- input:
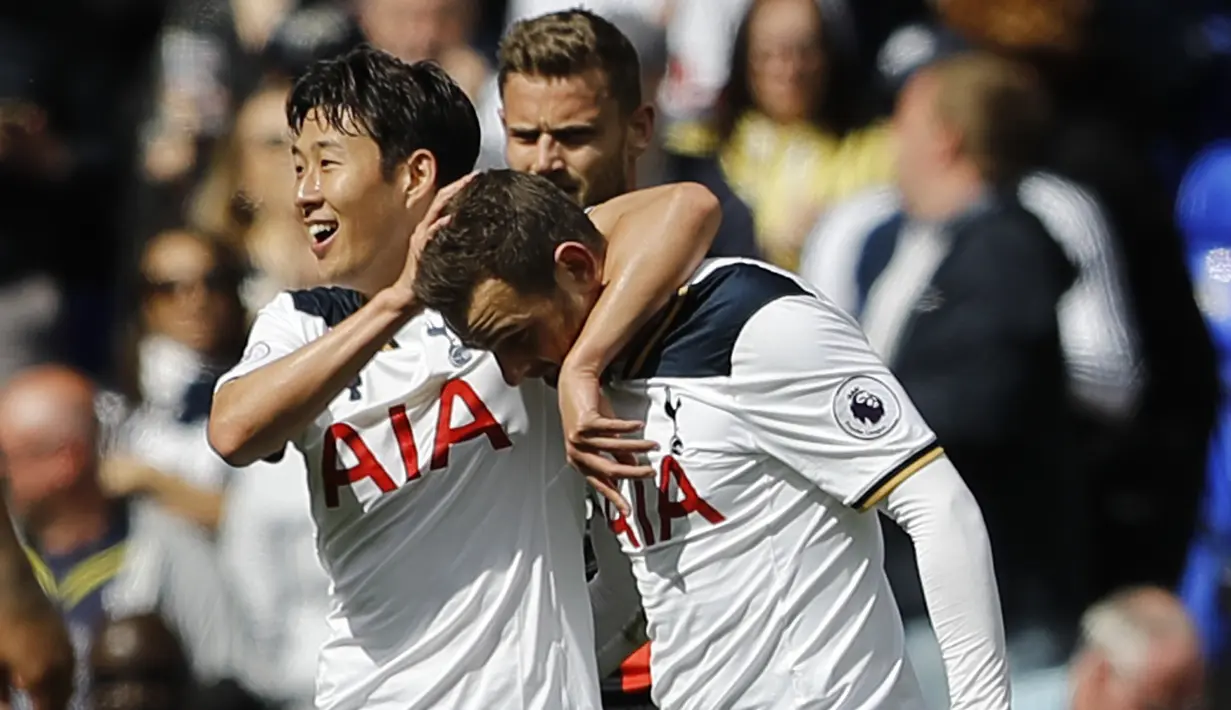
(1204, 217)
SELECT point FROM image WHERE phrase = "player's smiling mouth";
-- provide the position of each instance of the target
(322, 233)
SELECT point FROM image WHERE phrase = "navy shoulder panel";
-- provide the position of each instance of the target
(697, 334)
(332, 303)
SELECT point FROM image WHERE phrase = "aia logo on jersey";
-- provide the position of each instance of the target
(483, 424)
(676, 497)
(866, 408)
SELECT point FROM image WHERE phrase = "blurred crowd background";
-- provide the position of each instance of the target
(146, 182)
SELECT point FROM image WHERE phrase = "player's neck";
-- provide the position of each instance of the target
(947, 195)
(382, 274)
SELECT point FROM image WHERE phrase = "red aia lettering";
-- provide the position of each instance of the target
(643, 517)
(667, 509)
(619, 525)
(484, 423)
(368, 466)
(691, 503)
(406, 440)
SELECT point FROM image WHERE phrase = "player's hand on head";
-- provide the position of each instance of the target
(433, 220)
(595, 441)
(35, 653)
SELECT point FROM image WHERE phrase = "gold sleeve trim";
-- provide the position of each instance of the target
(894, 478)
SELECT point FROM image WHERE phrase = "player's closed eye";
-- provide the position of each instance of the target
(528, 137)
(574, 136)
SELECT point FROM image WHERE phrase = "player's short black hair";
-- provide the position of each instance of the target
(505, 225)
(403, 107)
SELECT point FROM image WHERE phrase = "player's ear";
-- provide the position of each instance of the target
(641, 129)
(417, 177)
(577, 268)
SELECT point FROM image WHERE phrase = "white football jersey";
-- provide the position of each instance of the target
(759, 565)
(446, 520)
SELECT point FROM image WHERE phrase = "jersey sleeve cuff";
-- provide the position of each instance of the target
(896, 475)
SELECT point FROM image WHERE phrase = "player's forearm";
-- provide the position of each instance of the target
(257, 414)
(955, 565)
(199, 505)
(656, 239)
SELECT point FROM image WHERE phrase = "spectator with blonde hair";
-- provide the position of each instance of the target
(1139, 649)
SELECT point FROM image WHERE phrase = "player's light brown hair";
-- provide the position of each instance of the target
(998, 107)
(504, 226)
(562, 44)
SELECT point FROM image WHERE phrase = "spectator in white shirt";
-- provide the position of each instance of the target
(192, 326)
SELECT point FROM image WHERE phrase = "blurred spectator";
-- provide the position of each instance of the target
(191, 329)
(1138, 650)
(71, 84)
(788, 127)
(439, 30)
(958, 292)
(137, 663)
(657, 12)
(699, 38)
(209, 52)
(1097, 329)
(1113, 101)
(248, 198)
(1203, 211)
(1019, 25)
(267, 547)
(206, 72)
(98, 558)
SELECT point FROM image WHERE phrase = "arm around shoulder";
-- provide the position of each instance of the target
(657, 238)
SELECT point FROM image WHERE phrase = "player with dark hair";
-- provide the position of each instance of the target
(777, 429)
(447, 520)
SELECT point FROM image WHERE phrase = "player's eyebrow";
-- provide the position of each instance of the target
(319, 144)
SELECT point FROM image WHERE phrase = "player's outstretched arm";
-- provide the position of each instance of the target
(937, 510)
(656, 238)
(35, 653)
(254, 416)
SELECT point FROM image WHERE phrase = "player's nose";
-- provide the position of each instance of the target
(308, 195)
(546, 155)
